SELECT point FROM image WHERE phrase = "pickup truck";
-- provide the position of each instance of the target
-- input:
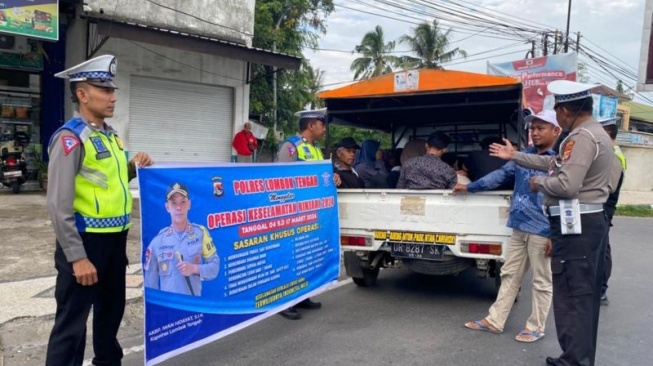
(432, 232)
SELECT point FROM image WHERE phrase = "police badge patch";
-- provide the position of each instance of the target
(569, 146)
(218, 188)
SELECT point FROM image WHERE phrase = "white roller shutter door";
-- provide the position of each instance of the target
(176, 121)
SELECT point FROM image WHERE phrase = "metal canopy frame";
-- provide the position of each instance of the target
(105, 28)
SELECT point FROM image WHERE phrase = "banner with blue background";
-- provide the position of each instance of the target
(225, 246)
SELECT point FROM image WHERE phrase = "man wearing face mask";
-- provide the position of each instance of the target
(580, 178)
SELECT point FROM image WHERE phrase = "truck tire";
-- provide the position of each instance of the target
(450, 265)
(368, 279)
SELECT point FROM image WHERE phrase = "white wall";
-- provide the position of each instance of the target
(144, 59)
(644, 51)
(639, 175)
(225, 19)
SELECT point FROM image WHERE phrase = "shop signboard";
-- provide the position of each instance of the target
(30, 18)
(536, 73)
(254, 240)
(604, 107)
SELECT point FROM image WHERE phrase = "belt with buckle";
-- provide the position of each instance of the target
(584, 208)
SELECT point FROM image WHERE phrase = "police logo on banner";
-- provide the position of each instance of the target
(218, 188)
(326, 179)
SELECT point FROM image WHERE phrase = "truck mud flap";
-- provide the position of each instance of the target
(353, 265)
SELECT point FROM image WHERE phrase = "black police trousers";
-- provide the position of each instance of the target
(107, 252)
(607, 265)
(577, 269)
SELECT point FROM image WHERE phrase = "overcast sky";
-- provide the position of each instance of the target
(612, 25)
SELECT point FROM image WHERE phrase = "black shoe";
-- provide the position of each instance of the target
(308, 304)
(550, 361)
(291, 313)
(604, 300)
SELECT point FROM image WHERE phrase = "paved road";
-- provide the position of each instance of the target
(413, 320)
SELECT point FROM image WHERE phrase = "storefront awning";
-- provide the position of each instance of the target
(195, 43)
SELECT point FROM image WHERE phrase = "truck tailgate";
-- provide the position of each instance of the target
(425, 211)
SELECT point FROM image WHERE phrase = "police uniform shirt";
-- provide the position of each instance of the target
(578, 171)
(193, 245)
(67, 153)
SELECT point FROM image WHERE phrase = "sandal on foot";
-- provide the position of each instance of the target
(528, 336)
(478, 325)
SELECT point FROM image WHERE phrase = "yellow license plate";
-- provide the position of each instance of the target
(415, 237)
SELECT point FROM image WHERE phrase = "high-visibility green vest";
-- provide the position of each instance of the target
(306, 151)
(620, 156)
(103, 202)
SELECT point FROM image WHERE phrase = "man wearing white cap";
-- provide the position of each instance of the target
(90, 206)
(303, 147)
(529, 244)
(580, 179)
(610, 206)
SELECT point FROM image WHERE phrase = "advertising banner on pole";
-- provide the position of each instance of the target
(536, 73)
(31, 18)
(225, 246)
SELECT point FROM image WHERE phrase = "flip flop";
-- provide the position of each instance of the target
(477, 325)
(535, 335)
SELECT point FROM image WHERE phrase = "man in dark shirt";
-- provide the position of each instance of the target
(343, 162)
(479, 163)
(429, 171)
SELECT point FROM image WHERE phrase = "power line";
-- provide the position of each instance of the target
(412, 22)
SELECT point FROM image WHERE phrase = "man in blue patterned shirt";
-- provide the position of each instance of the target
(529, 243)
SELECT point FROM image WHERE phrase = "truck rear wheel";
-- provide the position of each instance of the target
(368, 279)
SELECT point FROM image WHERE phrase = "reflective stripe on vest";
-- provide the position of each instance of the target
(306, 151)
(103, 202)
(620, 156)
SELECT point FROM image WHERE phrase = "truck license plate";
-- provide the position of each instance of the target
(418, 251)
(15, 173)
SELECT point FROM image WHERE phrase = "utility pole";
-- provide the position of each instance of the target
(577, 42)
(568, 20)
(545, 45)
(532, 49)
(274, 68)
(555, 42)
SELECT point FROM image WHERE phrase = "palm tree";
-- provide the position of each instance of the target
(375, 60)
(430, 45)
(315, 80)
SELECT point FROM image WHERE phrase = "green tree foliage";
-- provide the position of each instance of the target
(376, 59)
(336, 133)
(620, 87)
(287, 26)
(430, 46)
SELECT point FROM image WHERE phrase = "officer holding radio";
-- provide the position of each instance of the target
(580, 178)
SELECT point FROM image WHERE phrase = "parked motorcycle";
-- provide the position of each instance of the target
(13, 166)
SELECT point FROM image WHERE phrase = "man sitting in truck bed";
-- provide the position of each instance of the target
(479, 163)
(429, 171)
